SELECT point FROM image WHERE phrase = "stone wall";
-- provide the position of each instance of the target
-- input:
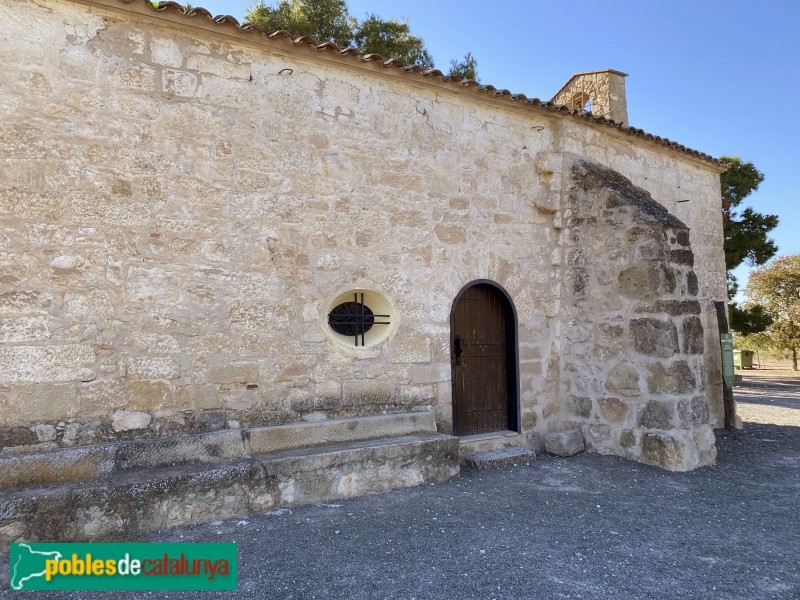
(633, 373)
(602, 91)
(178, 208)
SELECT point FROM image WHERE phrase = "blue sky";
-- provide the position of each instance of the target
(720, 77)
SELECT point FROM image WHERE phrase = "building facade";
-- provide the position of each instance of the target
(205, 228)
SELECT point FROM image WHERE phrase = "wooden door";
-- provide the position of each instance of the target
(481, 342)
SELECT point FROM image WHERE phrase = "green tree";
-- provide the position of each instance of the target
(746, 238)
(331, 21)
(776, 287)
(391, 39)
(465, 69)
(323, 20)
(748, 320)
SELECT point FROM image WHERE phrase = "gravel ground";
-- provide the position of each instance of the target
(590, 526)
(770, 396)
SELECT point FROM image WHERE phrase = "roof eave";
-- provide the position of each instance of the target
(172, 15)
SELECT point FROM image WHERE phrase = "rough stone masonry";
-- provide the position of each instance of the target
(184, 201)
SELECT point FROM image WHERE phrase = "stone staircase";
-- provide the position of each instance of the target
(112, 491)
(495, 450)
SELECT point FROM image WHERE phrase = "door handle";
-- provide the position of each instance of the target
(459, 348)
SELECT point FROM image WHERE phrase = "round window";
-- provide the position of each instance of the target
(352, 318)
(361, 318)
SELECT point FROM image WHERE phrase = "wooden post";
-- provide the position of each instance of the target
(727, 391)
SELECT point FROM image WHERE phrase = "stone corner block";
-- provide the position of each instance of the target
(663, 450)
(672, 378)
(564, 443)
(623, 379)
(654, 337)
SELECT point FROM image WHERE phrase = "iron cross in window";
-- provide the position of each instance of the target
(354, 318)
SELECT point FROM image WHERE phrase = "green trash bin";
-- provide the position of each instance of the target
(743, 359)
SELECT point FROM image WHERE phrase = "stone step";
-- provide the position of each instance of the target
(115, 507)
(119, 505)
(495, 459)
(496, 440)
(359, 468)
(101, 460)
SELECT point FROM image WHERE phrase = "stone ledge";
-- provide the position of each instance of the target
(122, 504)
(117, 507)
(88, 462)
(286, 437)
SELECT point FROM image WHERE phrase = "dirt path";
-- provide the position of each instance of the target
(769, 396)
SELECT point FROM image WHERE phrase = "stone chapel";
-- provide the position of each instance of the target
(240, 270)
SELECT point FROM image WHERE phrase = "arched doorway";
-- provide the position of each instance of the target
(483, 351)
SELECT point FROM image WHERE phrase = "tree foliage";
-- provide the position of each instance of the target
(748, 320)
(746, 238)
(323, 20)
(391, 38)
(746, 231)
(464, 69)
(776, 287)
(331, 21)
(739, 181)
